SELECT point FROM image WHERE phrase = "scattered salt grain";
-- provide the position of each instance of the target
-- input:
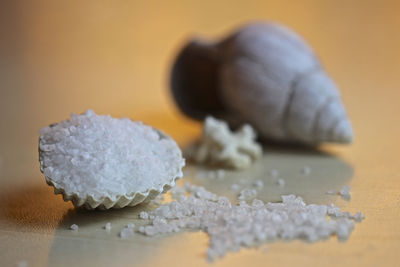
(74, 227)
(258, 183)
(281, 182)
(235, 187)
(247, 194)
(107, 226)
(126, 232)
(211, 174)
(130, 225)
(331, 192)
(243, 181)
(273, 173)
(143, 215)
(220, 174)
(345, 192)
(358, 217)
(22, 264)
(306, 170)
(231, 227)
(216, 174)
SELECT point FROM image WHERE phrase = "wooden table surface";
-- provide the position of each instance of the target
(58, 57)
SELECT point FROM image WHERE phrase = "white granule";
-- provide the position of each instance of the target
(220, 174)
(345, 192)
(243, 181)
(281, 182)
(221, 146)
(331, 192)
(217, 174)
(74, 227)
(358, 217)
(247, 194)
(258, 184)
(97, 157)
(143, 215)
(130, 225)
(22, 264)
(211, 174)
(235, 187)
(306, 170)
(126, 232)
(273, 173)
(107, 226)
(231, 227)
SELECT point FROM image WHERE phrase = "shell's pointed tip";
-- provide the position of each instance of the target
(343, 133)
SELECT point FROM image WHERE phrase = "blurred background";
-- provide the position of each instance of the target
(58, 57)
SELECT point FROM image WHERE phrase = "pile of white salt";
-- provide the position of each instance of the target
(231, 227)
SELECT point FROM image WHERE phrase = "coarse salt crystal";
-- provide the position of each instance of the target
(258, 183)
(331, 192)
(246, 194)
(281, 182)
(235, 187)
(220, 174)
(126, 233)
(74, 227)
(107, 226)
(144, 215)
(358, 217)
(345, 192)
(22, 263)
(274, 173)
(306, 170)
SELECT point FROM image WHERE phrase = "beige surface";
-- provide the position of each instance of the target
(63, 56)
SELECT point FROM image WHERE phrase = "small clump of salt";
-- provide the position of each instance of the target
(231, 227)
(221, 146)
(331, 192)
(281, 182)
(247, 194)
(74, 227)
(345, 192)
(306, 170)
(274, 173)
(258, 184)
(235, 187)
(23, 263)
(143, 215)
(107, 227)
(127, 232)
(358, 217)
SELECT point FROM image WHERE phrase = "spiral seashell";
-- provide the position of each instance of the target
(266, 75)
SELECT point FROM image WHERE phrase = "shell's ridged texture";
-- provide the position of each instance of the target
(269, 77)
(99, 162)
